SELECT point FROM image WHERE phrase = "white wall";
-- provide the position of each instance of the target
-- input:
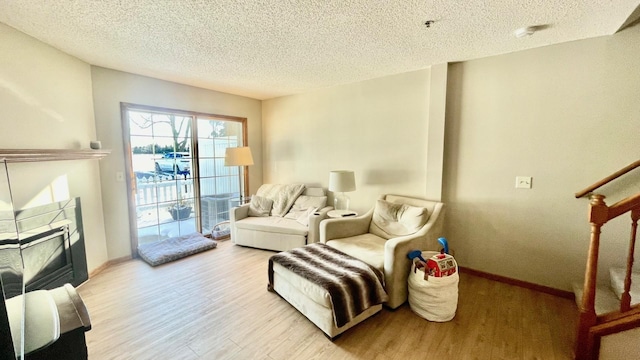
(46, 103)
(377, 128)
(567, 115)
(110, 88)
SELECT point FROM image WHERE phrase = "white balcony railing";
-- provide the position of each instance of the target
(157, 189)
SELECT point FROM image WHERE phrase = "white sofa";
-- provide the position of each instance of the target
(293, 219)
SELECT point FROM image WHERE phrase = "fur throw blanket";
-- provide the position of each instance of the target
(353, 285)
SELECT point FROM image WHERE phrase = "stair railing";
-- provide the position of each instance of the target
(592, 327)
(608, 179)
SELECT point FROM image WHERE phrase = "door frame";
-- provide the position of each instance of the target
(130, 175)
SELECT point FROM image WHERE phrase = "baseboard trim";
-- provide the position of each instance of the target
(503, 279)
(102, 267)
(520, 283)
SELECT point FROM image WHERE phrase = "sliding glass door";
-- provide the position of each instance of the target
(219, 184)
(178, 183)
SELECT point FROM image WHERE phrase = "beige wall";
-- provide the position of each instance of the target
(435, 132)
(377, 128)
(567, 115)
(46, 103)
(110, 88)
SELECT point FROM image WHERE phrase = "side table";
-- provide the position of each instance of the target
(341, 213)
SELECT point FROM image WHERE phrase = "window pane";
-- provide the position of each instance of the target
(215, 209)
(206, 168)
(140, 123)
(148, 234)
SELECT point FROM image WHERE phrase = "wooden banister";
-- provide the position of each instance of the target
(592, 327)
(625, 301)
(622, 324)
(608, 179)
(585, 345)
(623, 206)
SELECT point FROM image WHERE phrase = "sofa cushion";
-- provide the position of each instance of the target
(260, 206)
(273, 224)
(366, 247)
(303, 218)
(302, 205)
(392, 220)
(283, 196)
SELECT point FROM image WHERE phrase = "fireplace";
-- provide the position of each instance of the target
(52, 245)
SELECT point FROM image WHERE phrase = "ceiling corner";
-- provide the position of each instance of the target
(633, 19)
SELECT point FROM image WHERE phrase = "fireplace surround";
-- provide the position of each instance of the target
(42, 256)
(52, 244)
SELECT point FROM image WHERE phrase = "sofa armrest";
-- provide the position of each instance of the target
(239, 212)
(314, 224)
(236, 214)
(396, 263)
(345, 227)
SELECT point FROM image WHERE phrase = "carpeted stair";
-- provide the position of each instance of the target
(608, 297)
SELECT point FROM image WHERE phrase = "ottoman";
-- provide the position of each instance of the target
(310, 298)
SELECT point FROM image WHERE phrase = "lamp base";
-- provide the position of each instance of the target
(341, 202)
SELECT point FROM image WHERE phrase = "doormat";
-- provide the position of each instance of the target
(174, 248)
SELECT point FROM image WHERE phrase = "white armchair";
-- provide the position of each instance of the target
(384, 236)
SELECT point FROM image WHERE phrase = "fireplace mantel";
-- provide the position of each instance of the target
(30, 155)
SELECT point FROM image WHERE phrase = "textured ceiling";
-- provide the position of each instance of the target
(264, 49)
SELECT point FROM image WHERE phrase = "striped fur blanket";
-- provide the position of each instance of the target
(353, 285)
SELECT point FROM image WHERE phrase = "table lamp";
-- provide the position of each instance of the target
(341, 181)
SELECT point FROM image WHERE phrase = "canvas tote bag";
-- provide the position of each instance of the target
(435, 299)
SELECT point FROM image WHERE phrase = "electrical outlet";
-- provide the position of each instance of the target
(524, 182)
(119, 176)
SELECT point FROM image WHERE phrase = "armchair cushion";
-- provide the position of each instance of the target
(394, 219)
(260, 206)
(366, 247)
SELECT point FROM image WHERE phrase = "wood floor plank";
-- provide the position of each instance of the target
(215, 305)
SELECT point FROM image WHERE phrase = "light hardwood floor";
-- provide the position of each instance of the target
(215, 305)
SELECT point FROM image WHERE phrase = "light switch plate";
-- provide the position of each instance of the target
(524, 182)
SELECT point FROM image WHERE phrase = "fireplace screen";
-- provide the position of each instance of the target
(52, 245)
(46, 257)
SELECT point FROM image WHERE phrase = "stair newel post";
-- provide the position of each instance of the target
(598, 216)
(625, 303)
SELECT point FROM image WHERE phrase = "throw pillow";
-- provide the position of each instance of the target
(303, 203)
(260, 206)
(392, 220)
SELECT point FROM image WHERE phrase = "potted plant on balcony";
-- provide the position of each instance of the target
(180, 210)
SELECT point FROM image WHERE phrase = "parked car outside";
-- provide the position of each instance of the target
(175, 163)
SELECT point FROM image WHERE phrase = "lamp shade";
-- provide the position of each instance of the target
(342, 181)
(238, 156)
